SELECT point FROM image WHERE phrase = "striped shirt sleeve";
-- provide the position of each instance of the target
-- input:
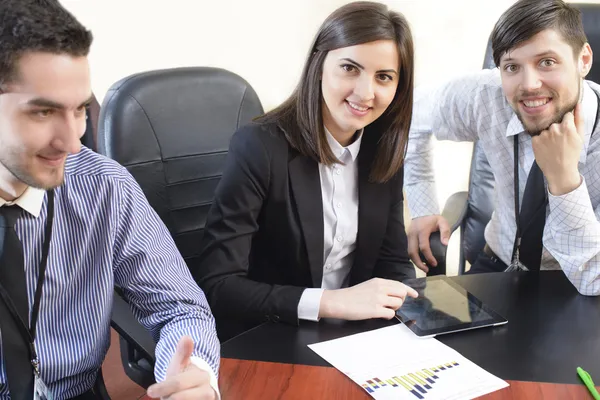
(157, 283)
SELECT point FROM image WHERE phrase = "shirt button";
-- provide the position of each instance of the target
(339, 238)
(581, 268)
(339, 205)
(338, 171)
(328, 266)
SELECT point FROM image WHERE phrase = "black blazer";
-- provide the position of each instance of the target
(263, 240)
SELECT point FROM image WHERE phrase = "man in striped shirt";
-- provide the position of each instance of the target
(104, 232)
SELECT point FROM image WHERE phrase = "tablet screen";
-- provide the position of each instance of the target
(443, 306)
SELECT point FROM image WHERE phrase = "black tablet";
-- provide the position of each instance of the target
(443, 307)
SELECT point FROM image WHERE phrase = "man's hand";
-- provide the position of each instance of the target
(557, 150)
(418, 239)
(375, 298)
(184, 381)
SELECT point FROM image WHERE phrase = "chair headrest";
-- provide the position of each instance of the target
(174, 113)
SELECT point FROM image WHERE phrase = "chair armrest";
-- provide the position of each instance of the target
(128, 327)
(455, 210)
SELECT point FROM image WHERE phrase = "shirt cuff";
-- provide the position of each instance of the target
(422, 199)
(203, 365)
(310, 304)
(573, 210)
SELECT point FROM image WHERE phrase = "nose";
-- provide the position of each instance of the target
(530, 80)
(364, 89)
(70, 131)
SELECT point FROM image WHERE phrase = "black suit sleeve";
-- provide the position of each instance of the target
(231, 224)
(393, 261)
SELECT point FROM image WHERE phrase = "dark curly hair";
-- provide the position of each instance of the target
(37, 26)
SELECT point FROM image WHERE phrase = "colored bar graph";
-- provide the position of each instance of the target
(419, 383)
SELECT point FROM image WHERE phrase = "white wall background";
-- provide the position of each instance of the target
(266, 41)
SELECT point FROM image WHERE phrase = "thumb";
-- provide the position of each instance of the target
(181, 358)
(579, 121)
(444, 230)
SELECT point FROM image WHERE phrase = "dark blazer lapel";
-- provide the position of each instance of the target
(306, 187)
(373, 210)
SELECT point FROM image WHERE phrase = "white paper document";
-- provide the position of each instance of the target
(394, 363)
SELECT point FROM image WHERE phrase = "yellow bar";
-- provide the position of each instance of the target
(428, 372)
(400, 381)
(416, 378)
(410, 381)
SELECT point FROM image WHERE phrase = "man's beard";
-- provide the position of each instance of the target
(556, 118)
(20, 172)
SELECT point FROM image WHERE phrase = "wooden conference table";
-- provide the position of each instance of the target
(551, 331)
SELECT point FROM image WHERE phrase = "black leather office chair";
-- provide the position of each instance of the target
(471, 211)
(171, 130)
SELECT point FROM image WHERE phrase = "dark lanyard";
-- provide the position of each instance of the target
(517, 242)
(29, 333)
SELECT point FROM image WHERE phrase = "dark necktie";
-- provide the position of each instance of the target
(15, 348)
(532, 219)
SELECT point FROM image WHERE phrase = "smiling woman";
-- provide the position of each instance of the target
(307, 220)
(361, 59)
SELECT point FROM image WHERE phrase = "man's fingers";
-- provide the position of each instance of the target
(192, 378)
(568, 120)
(579, 120)
(204, 393)
(181, 358)
(444, 230)
(413, 252)
(426, 248)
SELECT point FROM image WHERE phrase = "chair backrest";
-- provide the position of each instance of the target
(171, 130)
(480, 205)
(481, 181)
(481, 194)
(89, 137)
(590, 16)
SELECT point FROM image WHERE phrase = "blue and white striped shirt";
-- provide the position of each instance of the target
(106, 233)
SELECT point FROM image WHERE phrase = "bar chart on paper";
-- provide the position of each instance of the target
(411, 368)
(419, 383)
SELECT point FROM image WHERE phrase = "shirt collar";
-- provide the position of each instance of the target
(31, 201)
(589, 105)
(338, 150)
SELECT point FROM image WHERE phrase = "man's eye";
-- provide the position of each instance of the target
(43, 113)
